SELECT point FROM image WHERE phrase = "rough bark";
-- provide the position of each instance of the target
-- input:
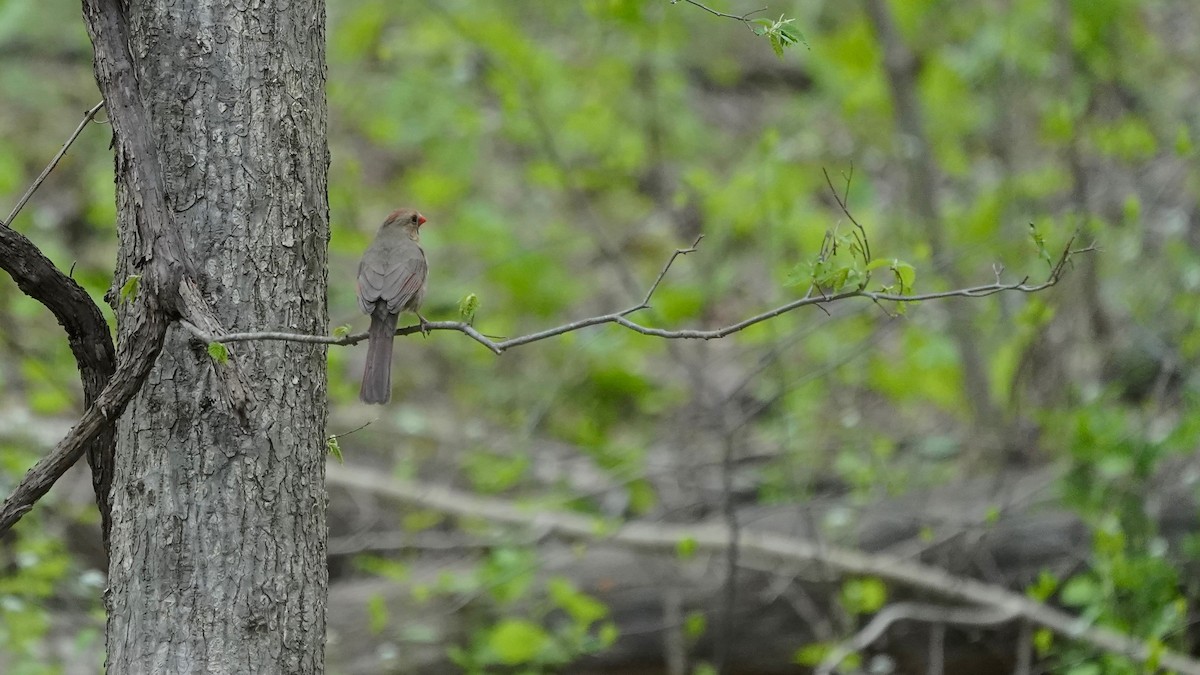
(218, 540)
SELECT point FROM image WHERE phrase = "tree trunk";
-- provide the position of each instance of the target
(218, 542)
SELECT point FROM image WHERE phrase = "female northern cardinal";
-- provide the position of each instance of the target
(391, 279)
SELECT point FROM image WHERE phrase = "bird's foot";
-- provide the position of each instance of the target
(424, 325)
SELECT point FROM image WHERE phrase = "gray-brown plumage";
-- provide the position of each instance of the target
(391, 279)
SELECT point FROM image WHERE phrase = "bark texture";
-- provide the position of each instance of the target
(218, 543)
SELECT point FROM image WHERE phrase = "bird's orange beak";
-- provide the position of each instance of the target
(420, 220)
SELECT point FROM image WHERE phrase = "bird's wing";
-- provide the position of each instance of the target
(398, 283)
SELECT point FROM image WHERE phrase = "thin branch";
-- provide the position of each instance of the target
(729, 517)
(355, 430)
(37, 183)
(87, 332)
(910, 611)
(666, 268)
(769, 549)
(843, 203)
(501, 346)
(138, 353)
(1024, 650)
(744, 18)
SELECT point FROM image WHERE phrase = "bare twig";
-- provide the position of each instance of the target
(988, 604)
(355, 430)
(666, 268)
(37, 183)
(744, 18)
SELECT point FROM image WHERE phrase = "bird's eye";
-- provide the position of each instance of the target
(414, 218)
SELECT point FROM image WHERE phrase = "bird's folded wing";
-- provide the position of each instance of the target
(397, 284)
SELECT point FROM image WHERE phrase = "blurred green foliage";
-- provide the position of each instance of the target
(563, 150)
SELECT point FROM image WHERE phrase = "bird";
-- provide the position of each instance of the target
(391, 279)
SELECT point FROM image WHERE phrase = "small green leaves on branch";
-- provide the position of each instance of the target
(1039, 242)
(845, 264)
(781, 32)
(842, 270)
(218, 352)
(467, 308)
(686, 548)
(129, 289)
(342, 330)
(333, 448)
(904, 277)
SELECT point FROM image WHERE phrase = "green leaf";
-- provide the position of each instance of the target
(342, 330)
(1044, 587)
(993, 515)
(1039, 242)
(792, 34)
(517, 641)
(1183, 141)
(583, 608)
(1154, 658)
(864, 596)
(377, 614)
(906, 275)
(1129, 139)
(332, 447)
(467, 307)
(776, 44)
(781, 33)
(685, 548)
(129, 289)
(218, 352)
(1132, 209)
(608, 634)
(1043, 640)
(694, 625)
(812, 654)
(1080, 591)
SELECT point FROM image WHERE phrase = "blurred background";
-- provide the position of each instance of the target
(561, 152)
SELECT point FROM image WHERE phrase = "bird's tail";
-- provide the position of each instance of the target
(377, 374)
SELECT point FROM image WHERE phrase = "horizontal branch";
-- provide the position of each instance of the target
(764, 547)
(621, 318)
